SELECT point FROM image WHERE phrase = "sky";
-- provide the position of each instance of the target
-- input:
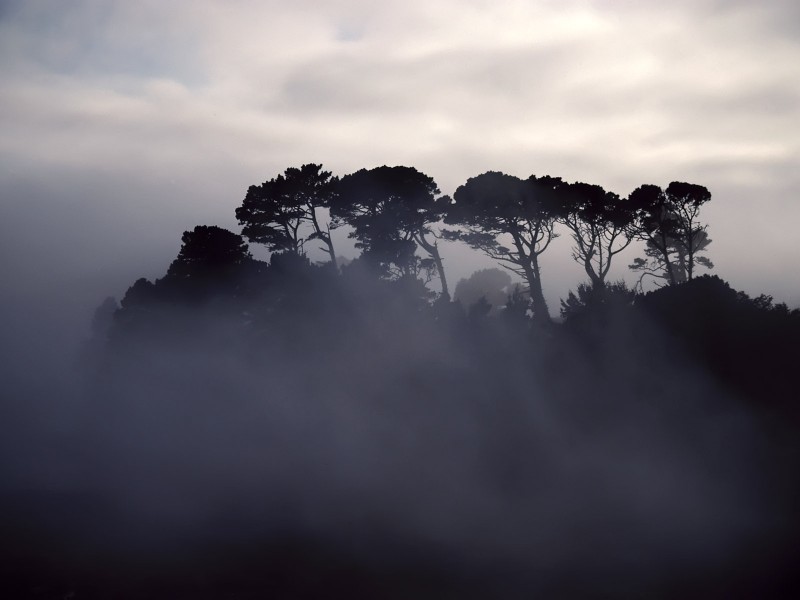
(126, 123)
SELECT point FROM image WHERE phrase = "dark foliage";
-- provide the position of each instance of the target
(668, 221)
(601, 223)
(494, 205)
(748, 343)
(390, 211)
(282, 213)
(595, 305)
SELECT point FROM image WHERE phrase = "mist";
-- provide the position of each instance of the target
(332, 432)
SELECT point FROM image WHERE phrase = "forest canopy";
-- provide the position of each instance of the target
(398, 218)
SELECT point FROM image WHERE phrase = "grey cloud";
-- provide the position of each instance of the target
(95, 40)
(773, 18)
(447, 80)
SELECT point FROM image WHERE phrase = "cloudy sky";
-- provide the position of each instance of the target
(125, 123)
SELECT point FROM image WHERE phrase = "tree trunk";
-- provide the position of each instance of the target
(594, 277)
(541, 314)
(329, 242)
(664, 249)
(433, 250)
(690, 257)
(325, 236)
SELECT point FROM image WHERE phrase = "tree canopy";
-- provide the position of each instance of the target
(390, 210)
(208, 250)
(669, 225)
(282, 213)
(510, 220)
(601, 224)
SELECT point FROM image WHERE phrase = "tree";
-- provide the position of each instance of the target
(595, 303)
(140, 294)
(391, 210)
(654, 263)
(210, 260)
(279, 212)
(668, 222)
(494, 207)
(212, 264)
(208, 250)
(601, 224)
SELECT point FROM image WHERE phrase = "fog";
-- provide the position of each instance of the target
(374, 446)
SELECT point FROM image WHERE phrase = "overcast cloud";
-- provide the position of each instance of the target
(126, 123)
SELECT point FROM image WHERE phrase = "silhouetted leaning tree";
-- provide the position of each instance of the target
(391, 210)
(601, 224)
(669, 225)
(285, 212)
(495, 209)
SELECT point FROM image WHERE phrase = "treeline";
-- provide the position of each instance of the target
(745, 342)
(398, 216)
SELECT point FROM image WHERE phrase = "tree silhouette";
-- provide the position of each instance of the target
(601, 224)
(654, 263)
(494, 207)
(278, 212)
(140, 294)
(668, 223)
(210, 260)
(391, 210)
(208, 250)
(591, 304)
